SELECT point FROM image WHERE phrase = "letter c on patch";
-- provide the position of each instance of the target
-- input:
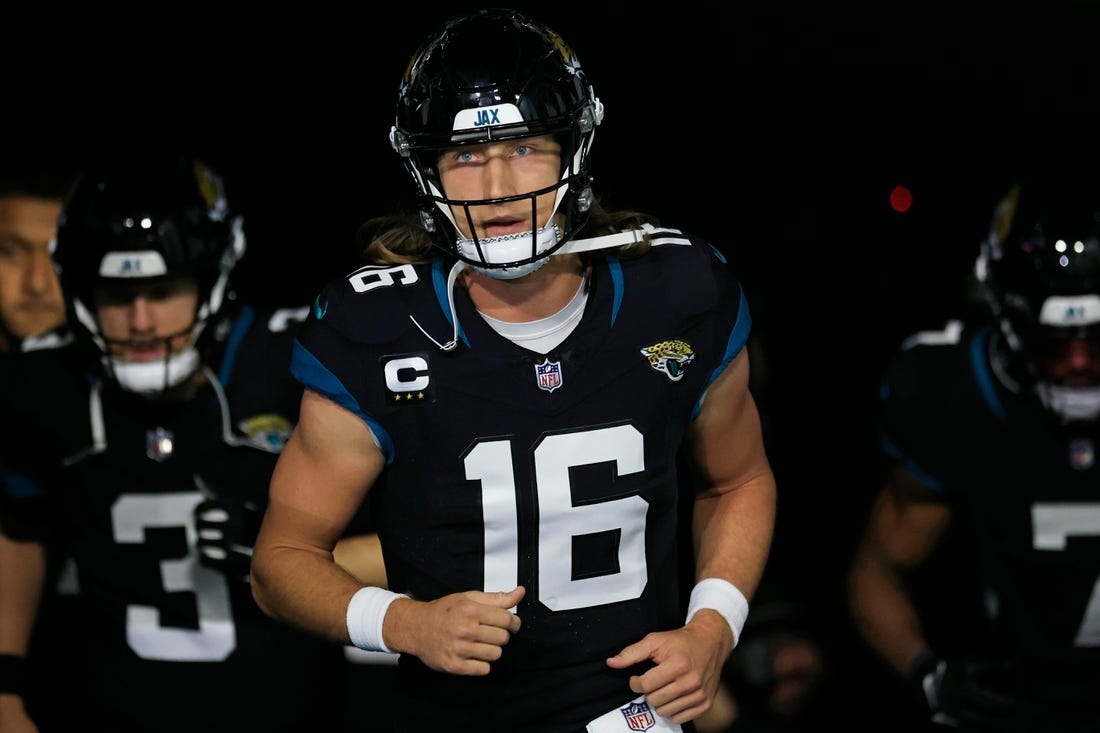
(407, 374)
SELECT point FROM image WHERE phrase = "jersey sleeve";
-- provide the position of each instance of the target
(701, 282)
(324, 358)
(922, 393)
(254, 366)
(351, 324)
(42, 394)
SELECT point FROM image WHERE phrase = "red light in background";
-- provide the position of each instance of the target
(901, 198)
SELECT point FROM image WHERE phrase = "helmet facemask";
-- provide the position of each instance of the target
(1064, 350)
(151, 378)
(179, 359)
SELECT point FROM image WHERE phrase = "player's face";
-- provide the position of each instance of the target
(497, 170)
(30, 295)
(1072, 362)
(147, 321)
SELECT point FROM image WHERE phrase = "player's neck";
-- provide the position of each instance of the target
(538, 295)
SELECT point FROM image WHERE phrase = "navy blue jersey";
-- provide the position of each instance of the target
(164, 643)
(1028, 485)
(506, 467)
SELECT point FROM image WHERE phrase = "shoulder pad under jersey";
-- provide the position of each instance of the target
(377, 303)
(690, 272)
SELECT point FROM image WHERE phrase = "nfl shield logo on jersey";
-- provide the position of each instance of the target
(638, 715)
(1082, 454)
(548, 374)
(159, 444)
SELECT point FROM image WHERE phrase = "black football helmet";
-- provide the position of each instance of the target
(156, 219)
(488, 76)
(1040, 266)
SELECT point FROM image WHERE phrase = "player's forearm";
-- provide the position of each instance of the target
(733, 532)
(882, 611)
(304, 590)
(298, 582)
(22, 575)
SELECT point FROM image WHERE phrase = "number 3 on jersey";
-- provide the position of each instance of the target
(216, 637)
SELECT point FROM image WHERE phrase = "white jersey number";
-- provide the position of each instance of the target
(216, 637)
(559, 519)
(1051, 524)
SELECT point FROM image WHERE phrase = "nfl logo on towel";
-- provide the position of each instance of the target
(548, 374)
(638, 716)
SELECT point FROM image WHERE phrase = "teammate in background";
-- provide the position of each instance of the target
(31, 196)
(994, 428)
(512, 383)
(152, 437)
(32, 314)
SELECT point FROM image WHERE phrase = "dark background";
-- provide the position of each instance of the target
(777, 131)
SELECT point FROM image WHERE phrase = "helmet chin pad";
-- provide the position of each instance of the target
(493, 256)
(1070, 403)
(154, 377)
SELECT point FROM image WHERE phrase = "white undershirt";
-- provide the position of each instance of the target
(543, 334)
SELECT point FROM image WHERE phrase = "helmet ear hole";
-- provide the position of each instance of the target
(428, 220)
(585, 199)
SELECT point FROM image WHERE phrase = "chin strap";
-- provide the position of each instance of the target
(618, 239)
(451, 277)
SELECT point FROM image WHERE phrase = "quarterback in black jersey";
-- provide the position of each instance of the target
(151, 439)
(994, 425)
(510, 387)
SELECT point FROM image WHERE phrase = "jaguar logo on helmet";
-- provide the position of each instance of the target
(572, 63)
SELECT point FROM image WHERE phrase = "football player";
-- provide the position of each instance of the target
(992, 427)
(510, 387)
(33, 189)
(152, 436)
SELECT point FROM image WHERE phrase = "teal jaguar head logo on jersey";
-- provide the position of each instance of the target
(670, 357)
(266, 432)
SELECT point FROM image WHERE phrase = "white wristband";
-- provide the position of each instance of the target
(721, 596)
(366, 609)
